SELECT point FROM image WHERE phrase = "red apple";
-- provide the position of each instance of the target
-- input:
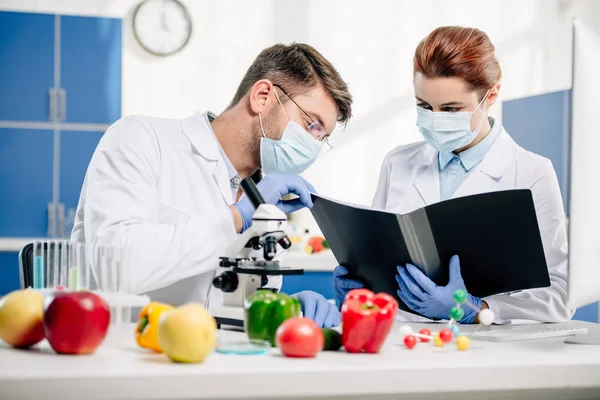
(76, 322)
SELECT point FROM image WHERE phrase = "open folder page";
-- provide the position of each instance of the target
(496, 235)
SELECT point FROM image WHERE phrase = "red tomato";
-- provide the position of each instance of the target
(299, 337)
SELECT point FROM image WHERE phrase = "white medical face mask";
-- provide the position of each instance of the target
(448, 131)
(293, 153)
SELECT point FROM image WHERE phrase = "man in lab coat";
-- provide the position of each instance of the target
(168, 190)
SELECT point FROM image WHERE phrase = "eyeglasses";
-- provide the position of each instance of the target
(315, 128)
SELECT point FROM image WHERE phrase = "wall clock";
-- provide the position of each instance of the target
(162, 27)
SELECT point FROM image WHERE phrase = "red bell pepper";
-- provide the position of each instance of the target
(366, 320)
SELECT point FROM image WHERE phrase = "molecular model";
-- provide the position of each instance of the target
(445, 336)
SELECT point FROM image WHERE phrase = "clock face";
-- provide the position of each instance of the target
(162, 27)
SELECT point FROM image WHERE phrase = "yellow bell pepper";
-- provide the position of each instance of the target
(146, 331)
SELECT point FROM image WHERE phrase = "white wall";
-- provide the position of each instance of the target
(370, 42)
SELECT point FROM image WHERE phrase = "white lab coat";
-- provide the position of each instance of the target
(409, 180)
(160, 188)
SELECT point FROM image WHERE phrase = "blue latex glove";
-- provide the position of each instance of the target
(342, 285)
(316, 307)
(272, 188)
(430, 300)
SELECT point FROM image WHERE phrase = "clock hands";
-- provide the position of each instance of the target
(162, 27)
(163, 18)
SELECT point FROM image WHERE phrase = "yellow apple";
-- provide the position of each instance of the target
(22, 318)
(187, 334)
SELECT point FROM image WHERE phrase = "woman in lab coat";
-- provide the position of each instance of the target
(465, 152)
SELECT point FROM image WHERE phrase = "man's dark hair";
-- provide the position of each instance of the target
(297, 68)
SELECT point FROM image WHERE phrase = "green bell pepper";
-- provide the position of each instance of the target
(265, 311)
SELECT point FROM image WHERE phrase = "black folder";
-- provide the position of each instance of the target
(496, 235)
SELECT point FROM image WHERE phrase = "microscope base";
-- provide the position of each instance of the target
(229, 315)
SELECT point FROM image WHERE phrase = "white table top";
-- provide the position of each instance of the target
(132, 373)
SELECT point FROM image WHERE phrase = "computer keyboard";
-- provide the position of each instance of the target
(518, 333)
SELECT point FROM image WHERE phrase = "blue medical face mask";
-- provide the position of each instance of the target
(293, 153)
(448, 131)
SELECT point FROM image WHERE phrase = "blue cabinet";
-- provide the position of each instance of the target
(9, 272)
(542, 125)
(55, 71)
(91, 69)
(588, 313)
(26, 181)
(26, 66)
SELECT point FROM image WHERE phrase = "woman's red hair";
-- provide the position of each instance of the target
(457, 52)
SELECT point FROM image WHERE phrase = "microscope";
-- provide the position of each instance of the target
(245, 274)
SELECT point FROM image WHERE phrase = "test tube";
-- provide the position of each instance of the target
(55, 264)
(73, 278)
(101, 266)
(39, 274)
(63, 250)
(79, 268)
(110, 266)
(49, 264)
(124, 269)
